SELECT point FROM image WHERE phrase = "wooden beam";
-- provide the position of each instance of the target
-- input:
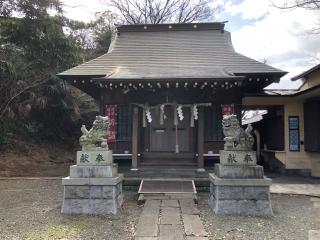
(135, 121)
(200, 139)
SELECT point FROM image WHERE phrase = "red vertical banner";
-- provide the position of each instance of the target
(227, 109)
(111, 113)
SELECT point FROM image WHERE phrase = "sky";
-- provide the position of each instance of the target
(259, 30)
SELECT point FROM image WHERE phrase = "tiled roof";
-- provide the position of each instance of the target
(202, 52)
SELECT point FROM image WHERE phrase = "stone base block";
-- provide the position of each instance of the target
(94, 157)
(239, 181)
(233, 157)
(91, 206)
(241, 207)
(238, 171)
(93, 171)
(83, 196)
(240, 196)
(107, 181)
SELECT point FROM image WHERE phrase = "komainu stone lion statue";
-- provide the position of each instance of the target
(96, 137)
(235, 137)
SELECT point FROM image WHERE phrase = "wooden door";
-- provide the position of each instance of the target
(163, 137)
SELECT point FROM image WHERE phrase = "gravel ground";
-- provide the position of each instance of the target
(30, 209)
(293, 217)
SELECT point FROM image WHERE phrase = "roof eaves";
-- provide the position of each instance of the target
(277, 74)
(306, 73)
(172, 79)
(171, 27)
(71, 77)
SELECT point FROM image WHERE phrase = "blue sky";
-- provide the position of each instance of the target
(258, 30)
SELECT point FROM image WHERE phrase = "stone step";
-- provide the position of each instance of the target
(167, 155)
(168, 162)
(167, 189)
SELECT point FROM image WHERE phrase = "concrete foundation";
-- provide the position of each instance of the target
(93, 171)
(93, 190)
(238, 171)
(240, 190)
(91, 199)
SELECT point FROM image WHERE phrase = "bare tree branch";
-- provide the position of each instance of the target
(163, 11)
(292, 4)
(313, 5)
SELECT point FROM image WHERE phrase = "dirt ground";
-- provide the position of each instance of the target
(27, 159)
(30, 209)
(293, 217)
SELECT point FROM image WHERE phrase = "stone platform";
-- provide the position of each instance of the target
(92, 190)
(240, 190)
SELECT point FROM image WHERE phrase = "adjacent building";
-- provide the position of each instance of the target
(290, 132)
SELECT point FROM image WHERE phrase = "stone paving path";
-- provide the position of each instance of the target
(170, 220)
(298, 189)
(315, 234)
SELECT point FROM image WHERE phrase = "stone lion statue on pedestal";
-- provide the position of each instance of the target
(96, 137)
(236, 138)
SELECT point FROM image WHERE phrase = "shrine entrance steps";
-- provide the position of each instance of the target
(165, 189)
(170, 211)
(167, 159)
(188, 172)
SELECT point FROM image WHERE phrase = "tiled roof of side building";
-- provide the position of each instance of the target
(172, 51)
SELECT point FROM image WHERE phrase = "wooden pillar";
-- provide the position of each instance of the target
(200, 139)
(101, 104)
(135, 139)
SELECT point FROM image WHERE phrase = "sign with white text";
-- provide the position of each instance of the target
(111, 113)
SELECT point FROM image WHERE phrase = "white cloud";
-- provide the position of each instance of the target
(266, 33)
(83, 10)
(248, 9)
(278, 36)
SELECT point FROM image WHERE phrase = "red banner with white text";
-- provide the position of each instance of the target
(111, 113)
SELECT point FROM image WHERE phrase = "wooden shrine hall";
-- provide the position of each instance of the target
(165, 88)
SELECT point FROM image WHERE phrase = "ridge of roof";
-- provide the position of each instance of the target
(306, 73)
(171, 27)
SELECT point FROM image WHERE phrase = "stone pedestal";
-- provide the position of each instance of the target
(93, 189)
(94, 157)
(238, 186)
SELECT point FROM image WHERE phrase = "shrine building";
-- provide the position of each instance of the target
(165, 88)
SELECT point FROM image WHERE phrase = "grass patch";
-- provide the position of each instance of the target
(66, 231)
